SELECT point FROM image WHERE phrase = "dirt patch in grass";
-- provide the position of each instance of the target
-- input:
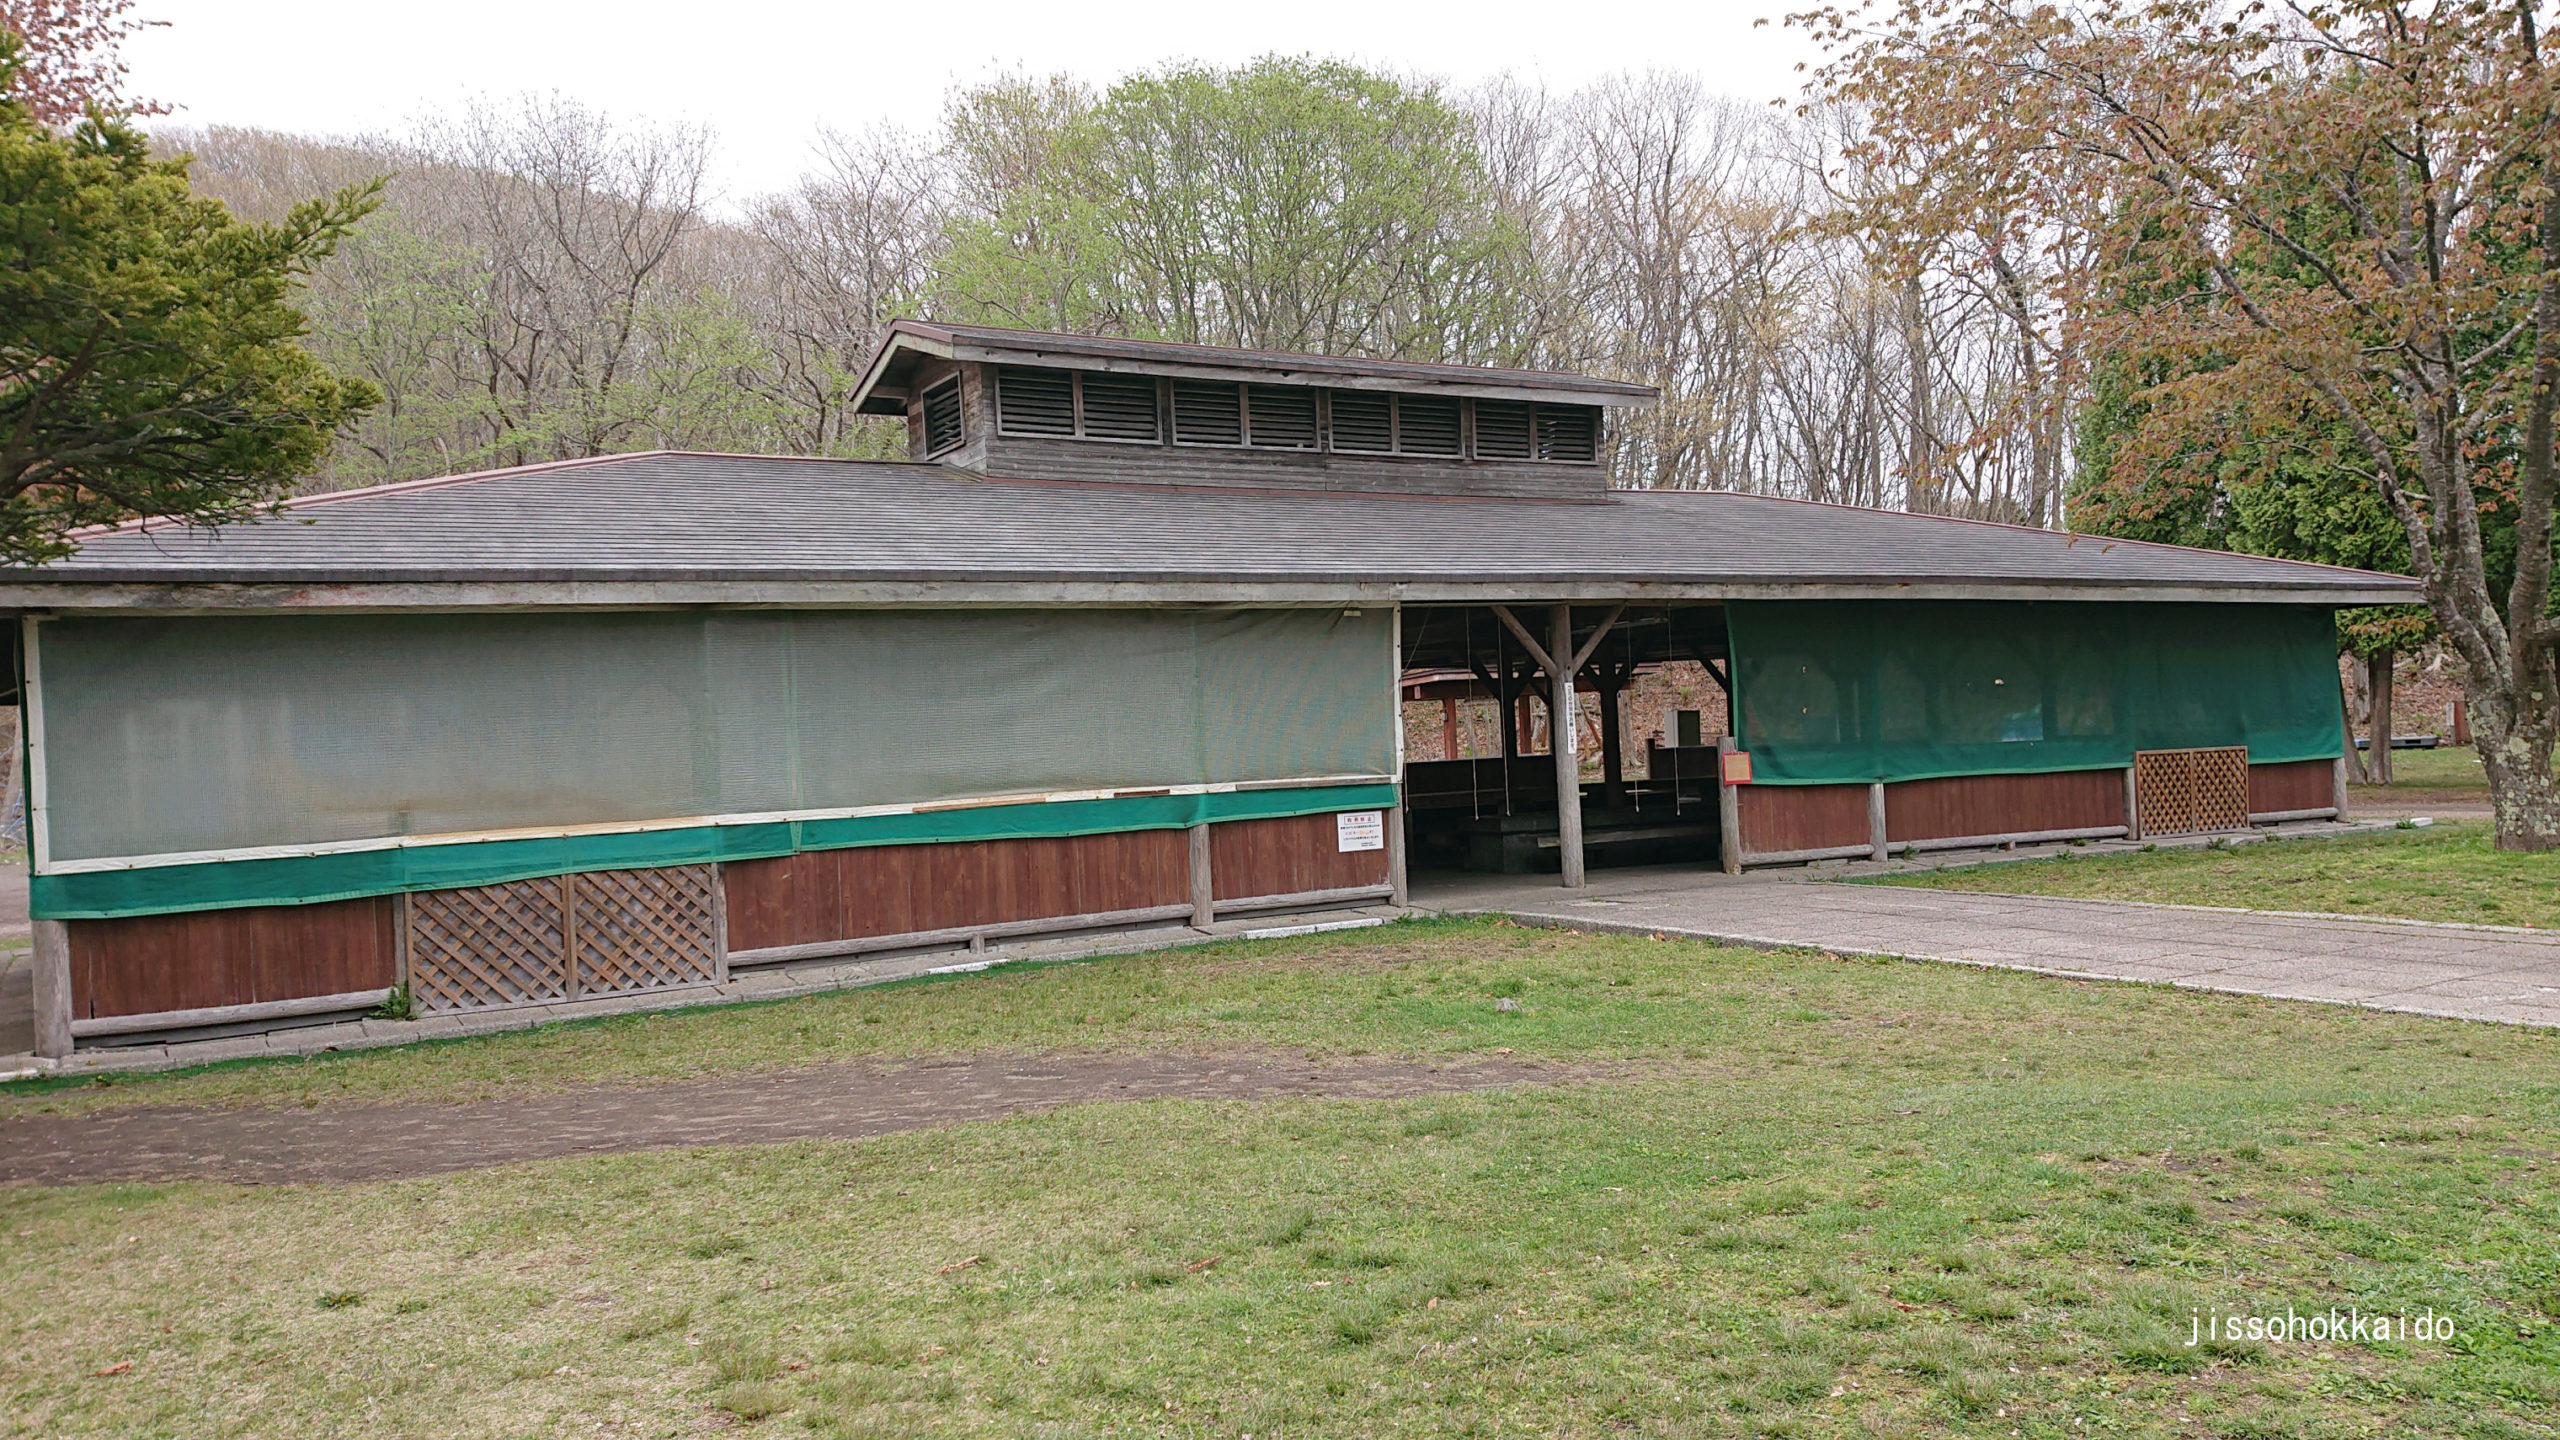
(388, 1142)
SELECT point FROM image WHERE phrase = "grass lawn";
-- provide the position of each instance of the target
(2449, 871)
(2448, 775)
(1807, 1197)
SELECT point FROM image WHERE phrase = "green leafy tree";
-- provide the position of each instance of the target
(148, 364)
(1290, 203)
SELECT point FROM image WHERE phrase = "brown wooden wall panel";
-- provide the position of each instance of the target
(144, 964)
(899, 889)
(1802, 817)
(2294, 785)
(1961, 805)
(1252, 858)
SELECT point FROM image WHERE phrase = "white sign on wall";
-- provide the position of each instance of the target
(1360, 830)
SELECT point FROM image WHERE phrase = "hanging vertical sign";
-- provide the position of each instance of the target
(1360, 830)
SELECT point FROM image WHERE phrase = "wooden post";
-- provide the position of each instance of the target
(1613, 743)
(1728, 810)
(2132, 807)
(1560, 660)
(2377, 765)
(2338, 786)
(1562, 732)
(1204, 890)
(1395, 853)
(1877, 850)
(53, 989)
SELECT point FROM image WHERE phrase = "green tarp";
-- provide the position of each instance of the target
(1840, 691)
(303, 879)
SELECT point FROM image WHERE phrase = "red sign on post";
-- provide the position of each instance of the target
(1737, 767)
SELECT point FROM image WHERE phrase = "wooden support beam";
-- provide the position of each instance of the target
(1728, 811)
(1876, 846)
(354, 1001)
(53, 989)
(1561, 731)
(1613, 748)
(2132, 806)
(1396, 887)
(1561, 725)
(1204, 889)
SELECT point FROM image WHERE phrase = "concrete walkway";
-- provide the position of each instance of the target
(2457, 971)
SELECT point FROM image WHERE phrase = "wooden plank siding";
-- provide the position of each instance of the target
(146, 964)
(1956, 806)
(2294, 785)
(822, 895)
(1781, 818)
(1050, 458)
(1253, 858)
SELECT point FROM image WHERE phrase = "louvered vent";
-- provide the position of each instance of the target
(1502, 430)
(942, 417)
(1207, 414)
(1568, 432)
(1035, 402)
(1426, 425)
(1120, 407)
(1282, 419)
(1360, 422)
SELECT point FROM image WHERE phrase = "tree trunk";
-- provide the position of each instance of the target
(2378, 761)
(1919, 464)
(2347, 715)
(2514, 734)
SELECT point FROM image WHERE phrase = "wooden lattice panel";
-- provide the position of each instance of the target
(2191, 792)
(645, 929)
(488, 945)
(603, 932)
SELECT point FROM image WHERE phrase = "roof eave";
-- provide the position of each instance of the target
(346, 590)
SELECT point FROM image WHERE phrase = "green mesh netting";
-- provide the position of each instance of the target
(165, 736)
(1836, 691)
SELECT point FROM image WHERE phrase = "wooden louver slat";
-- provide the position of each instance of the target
(1120, 407)
(1426, 425)
(1035, 402)
(1205, 414)
(1502, 430)
(1282, 419)
(942, 428)
(1362, 422)
(1568, 432)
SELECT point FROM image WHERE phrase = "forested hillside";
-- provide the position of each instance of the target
(544, 282)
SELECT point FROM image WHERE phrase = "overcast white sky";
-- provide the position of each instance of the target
(766, 75)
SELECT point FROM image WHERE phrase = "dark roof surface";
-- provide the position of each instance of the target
(737, 520)
(907, 340)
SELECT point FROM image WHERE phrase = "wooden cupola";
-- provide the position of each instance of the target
(1018, 404)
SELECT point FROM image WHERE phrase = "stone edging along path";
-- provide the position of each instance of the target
(390, 1142)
